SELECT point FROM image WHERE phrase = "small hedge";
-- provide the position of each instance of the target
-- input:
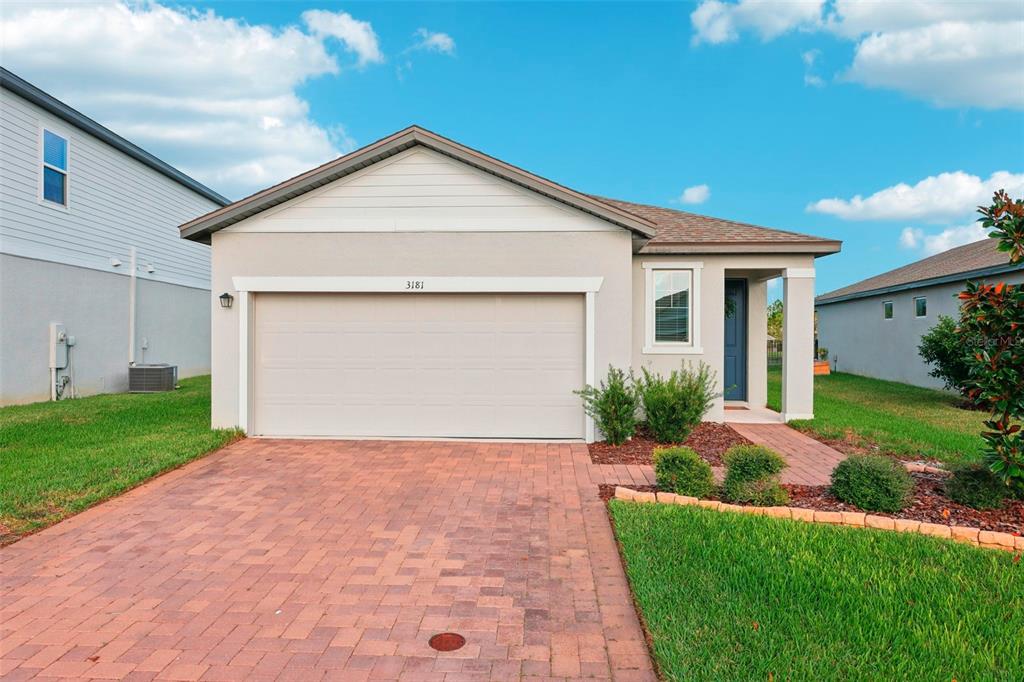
(676, 404)
(752, 476)
(682, 471)
(974, 485)
(873, 483)
(613, 405)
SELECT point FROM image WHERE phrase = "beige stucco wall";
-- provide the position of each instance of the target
(710, 315)
(410, 254)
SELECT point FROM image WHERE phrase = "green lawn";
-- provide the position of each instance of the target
(737, 597)
(900, 419)
(58, 458)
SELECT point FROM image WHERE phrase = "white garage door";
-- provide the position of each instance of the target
(419, 365)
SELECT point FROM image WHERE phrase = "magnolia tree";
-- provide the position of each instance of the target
(994, 315)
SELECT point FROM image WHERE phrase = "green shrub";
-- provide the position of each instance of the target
(948, 350)
(682, 471)
(752, 476)
(674, 406)
(613, 405)
(974, 485)
(873, 483)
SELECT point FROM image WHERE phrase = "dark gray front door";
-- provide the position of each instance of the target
(735, 380)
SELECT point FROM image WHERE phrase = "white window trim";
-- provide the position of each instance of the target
(246, 286)
(920, 298)
(56, 130)
(652, 347)
(893, 317)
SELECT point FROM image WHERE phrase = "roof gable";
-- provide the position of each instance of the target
(201, 228)
(421, 190)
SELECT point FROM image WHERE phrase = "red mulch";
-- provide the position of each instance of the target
(928, 503)
(710, 440)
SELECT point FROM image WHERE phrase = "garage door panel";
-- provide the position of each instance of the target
(458, 365)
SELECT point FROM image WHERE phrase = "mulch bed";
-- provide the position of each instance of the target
(709, 440)
(928, 503)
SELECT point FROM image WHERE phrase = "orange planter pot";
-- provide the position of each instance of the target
(822, 367)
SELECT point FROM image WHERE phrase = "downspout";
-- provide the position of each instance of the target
(131, 310)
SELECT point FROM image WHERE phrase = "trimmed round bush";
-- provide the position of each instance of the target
(752, 476)
(682, 471)
(974, 485)
(873, 483)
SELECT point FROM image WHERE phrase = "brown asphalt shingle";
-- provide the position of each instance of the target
(962, 259)
(682, 227)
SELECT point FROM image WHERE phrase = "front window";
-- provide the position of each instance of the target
(921, 306)
(672, 306)
(887, 310)
(55, 168)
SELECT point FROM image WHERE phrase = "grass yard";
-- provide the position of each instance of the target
(898, 418)
(59, 458)
(737, 597)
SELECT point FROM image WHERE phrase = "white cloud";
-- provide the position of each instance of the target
(697, 194)
(721, 22)
(357, 36)
(936, 242)
(810, 58)
(213, 96)
(434, 41)
(940, 197)
(950, 53)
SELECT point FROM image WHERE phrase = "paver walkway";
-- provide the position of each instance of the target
(810, 462)
(332, 560)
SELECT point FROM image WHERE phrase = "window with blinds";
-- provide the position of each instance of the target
(672, 306)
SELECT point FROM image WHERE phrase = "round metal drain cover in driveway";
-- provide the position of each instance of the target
(447, 641)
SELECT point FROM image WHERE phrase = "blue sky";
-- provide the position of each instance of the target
(773, 106)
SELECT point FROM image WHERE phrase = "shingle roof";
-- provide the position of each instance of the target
(962, 260)
(663, 229)
(684, 228)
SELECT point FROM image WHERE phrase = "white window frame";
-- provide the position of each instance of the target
(921, 298)
(652, 347)
(66, 172)
(892, 306)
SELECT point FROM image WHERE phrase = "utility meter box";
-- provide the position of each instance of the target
(58, 346)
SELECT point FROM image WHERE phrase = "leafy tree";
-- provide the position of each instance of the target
(775, 319)
(994, 314)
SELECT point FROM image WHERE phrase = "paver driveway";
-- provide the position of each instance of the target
(332, 560)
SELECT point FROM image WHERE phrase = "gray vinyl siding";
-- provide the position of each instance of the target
(114, 202)
(861, 341)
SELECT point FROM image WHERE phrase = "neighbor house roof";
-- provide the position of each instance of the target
(26, 90)
(663, 230)
(963, 262)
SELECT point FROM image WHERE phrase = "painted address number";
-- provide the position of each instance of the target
(413, 284)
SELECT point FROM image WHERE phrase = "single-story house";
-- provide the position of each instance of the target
(93, 274)
(420, 288)
(874, 327)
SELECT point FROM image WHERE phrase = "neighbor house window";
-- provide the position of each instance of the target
(55, 168)
(672, 293)
(887, 310)
(920, 306)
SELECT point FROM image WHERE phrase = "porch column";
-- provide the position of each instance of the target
(798, 344)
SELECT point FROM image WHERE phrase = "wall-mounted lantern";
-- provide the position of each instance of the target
(226, 300)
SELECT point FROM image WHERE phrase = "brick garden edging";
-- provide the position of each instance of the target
(967, 534)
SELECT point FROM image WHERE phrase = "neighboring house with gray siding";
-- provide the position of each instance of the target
(80, 205)
(874, 327)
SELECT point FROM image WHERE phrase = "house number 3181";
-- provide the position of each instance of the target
(414, 284)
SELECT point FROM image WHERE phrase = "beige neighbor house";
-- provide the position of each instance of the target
(419, 288)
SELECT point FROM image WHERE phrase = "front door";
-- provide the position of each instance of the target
(736, 339)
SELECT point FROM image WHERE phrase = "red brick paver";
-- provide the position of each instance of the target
(810, 462)
(332, 560)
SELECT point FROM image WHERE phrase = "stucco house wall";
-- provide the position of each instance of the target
(860, 341)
